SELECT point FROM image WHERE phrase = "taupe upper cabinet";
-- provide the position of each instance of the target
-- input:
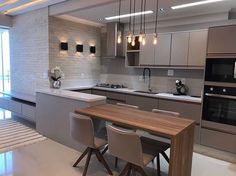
(147, 51)
(222, 40)
(179, 49)
(197, 48)
(162, 50)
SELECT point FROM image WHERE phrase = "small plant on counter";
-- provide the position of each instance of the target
(56, 74)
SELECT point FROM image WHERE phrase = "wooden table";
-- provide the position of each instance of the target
(179, 131)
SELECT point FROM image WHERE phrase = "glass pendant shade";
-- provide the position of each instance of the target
(119, 40)
(144, 40)
(155, 40)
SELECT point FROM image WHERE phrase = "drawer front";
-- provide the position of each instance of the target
(218, 140)
(116, 96)
(99, 92)
(186, 110)
(28, 112)
(144, 103)
(14, 106)
(4, 103)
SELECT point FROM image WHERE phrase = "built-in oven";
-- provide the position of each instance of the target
(219, 105)
(221, 70)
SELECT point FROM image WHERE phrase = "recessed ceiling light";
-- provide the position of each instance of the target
(129, 15)
(195, 4)
(23, 6)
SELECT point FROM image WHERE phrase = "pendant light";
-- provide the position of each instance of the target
(155, 33)
(133, 38)
(130, 33)
(119, 35)
(144, 26)
(141, 24)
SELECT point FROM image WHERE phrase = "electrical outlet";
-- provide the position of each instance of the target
(82, 75)
(170, 73)
(183, 80)
(140, 78)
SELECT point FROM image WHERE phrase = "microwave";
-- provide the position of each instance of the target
(220, 70)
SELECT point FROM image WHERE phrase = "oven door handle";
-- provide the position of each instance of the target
(220, 96)
(234, 70)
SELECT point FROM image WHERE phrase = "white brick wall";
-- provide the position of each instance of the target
(29, 51)
(81, 69)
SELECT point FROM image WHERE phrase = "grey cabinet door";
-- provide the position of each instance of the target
(186, 110)
(144, 103)
(197, 48)
(146, 56)
(162, 49)
(179, 49)
(222, 40)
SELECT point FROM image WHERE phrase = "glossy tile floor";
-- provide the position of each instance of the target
(48, 158)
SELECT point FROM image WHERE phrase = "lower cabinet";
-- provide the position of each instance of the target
(187, 110)
(218, 140)
(28, 111)
(144, 103)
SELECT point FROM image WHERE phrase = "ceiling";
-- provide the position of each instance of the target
(6, 5)
(99, 12)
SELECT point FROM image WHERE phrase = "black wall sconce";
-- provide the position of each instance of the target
(79, 48)
(92, 49)
(64, 46)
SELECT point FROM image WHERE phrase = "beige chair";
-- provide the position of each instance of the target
(127, 146)
(82, 130)
(158, 147)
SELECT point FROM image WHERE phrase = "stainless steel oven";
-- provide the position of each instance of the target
(221, 70)
(219, 105)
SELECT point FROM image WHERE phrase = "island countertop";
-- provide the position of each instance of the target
(72, 95)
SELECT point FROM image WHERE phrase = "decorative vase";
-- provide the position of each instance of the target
(56, 84)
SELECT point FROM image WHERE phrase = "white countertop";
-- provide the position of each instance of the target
(159, 95)
(72, 95)
(22, 96)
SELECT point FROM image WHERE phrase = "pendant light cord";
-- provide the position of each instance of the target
(141, 25)
(144, 18)
(134, 16)
(119, 14)
(130, 18)
(157, 9)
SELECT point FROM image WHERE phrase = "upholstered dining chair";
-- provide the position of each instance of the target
(127, 146)
(82, 130)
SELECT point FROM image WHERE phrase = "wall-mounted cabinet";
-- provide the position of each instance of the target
(179, 49)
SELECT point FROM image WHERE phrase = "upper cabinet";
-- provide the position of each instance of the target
(162, 50)
(179, 49)
(222, 40)
(197, 48)
(147, 52)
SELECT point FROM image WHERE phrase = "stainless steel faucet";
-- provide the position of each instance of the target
(149, 77)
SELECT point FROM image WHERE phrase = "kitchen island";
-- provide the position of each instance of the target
(52, 113)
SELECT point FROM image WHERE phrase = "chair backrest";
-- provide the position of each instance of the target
(127, 105)
(171, 113)
(81, 129)
(125, 145)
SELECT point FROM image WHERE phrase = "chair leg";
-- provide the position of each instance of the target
(81, 157)
(165, 156)
(141, 171)
(99, 155)
(116, 162)
(126, 169)
(105, 150)
(87, 161)
(158, 165)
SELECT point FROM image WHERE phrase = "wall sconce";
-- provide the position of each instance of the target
(64, 46)
(92, 49)
(79, 48)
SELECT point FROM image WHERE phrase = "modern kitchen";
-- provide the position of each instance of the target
(118, 87)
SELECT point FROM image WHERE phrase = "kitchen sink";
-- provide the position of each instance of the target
(146, 92)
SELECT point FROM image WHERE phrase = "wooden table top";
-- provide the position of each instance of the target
(157, 123)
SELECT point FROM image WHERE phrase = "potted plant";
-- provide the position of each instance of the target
(56, 75)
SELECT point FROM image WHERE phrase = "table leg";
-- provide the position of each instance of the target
(181, 153)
